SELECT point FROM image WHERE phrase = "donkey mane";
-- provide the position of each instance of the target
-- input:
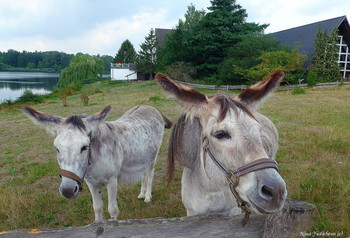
(185, 139)
(226, 103)
(76, 121)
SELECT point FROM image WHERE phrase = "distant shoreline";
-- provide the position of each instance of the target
(28, 70)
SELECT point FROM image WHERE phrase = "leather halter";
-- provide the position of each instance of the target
(71, 175)
(233, 176)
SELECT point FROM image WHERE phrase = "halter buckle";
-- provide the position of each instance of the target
(232, 179)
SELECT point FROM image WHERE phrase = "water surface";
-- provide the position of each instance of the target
(13, 84)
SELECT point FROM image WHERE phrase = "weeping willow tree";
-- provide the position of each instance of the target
(82, 67)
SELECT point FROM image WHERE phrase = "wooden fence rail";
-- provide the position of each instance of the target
(282, 88)
(293, 221)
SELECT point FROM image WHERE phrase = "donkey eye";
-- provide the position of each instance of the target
(84, 148)
(222, 135)
(58, 151)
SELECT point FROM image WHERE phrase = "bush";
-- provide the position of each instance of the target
(294, 78)
(311, 78)
(63, 94)
(85, 100)
(85, 96)
(29, 96)
(8, 102)
(298, 90)
(212, 80)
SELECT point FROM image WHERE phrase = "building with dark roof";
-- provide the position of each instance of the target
(160, 35)
(304, 36)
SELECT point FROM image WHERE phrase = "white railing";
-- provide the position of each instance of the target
(120, 65)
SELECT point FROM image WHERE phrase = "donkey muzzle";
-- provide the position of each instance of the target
(70, 191)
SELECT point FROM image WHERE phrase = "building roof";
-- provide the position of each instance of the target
(132, 66)
(305, 36)
(160, 35)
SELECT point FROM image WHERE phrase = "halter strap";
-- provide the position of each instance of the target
(256, 165)
(233, 177)
(71, 175)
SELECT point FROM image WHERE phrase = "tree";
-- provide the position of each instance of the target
(180, 71)
(12, 58)
(107, 60)
(82, 67)
(221, 28)
(126, 53)
(51, 61)
(146, 59)
(289, 62)
(178, 39)
(325, 58)
(245, 54)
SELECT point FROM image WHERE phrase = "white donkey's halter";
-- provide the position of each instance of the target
(233, 176)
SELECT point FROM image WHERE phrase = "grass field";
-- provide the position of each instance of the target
(313, 157)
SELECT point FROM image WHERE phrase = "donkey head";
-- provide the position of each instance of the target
(235, 134)
(72, 141)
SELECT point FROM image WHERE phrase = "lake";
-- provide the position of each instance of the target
(13, 84)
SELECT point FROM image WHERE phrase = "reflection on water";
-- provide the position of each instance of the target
(13, 84)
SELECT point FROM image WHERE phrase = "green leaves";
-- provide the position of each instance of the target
(146, 60)
(82, 67)
(203, 39)
(289, 62)
(220, 29)
(126, 53)
(245, 55)
(326, 56)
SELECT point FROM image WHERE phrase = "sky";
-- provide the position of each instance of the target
(101, 26)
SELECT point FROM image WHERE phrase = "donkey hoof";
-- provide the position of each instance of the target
(141, 196)
(147, 200)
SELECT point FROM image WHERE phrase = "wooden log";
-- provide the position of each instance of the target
(295, 218)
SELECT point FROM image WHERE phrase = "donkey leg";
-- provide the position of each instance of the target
(149, 180)
(112, 188)
(96, 200)
(142, 194)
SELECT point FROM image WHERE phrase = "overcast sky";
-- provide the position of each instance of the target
(100, 26)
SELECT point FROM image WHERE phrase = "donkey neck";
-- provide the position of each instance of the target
(102, 138)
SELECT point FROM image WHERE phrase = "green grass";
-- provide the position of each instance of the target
(313, 158)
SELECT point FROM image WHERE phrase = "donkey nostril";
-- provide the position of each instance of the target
(76, 189)
(267, 191)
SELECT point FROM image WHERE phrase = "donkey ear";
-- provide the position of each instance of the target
(47, 121)
(100, 116)
(188, 97)
(255, 94)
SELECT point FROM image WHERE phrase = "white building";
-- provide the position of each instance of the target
(123, 71)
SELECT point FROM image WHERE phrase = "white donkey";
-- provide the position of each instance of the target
(227, 149)
(105, 153)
